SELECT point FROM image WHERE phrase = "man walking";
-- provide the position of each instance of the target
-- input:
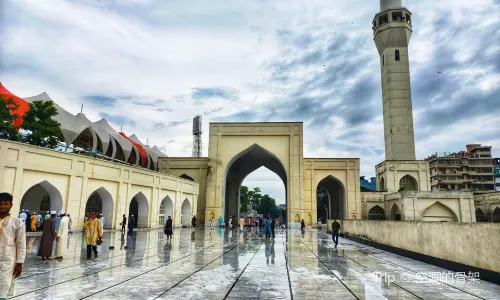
(193, 222)
(58, 220)
(131, 225)
(23, 216)
(12, 246)
(62, 237)
(102, 222)
(242, 223)
(48, 237)
(70, 225)
(273, 225)
(168, 228)
(268, 228)
(93, 235)
(335, 233)
(320, 224)
(124, 223)
(39, 220)
(33, 222)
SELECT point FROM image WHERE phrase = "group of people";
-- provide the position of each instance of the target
(34, 221)
(270, 225)
(55, 227)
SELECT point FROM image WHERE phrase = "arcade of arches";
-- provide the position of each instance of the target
(42, 180)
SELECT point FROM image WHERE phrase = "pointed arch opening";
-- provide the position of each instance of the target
(42, 197)
(238, 168)
(101, 202)
(408, 183)
(439, 212)
(376, 213)
(331, 197)
(186, 213)
(395, 213)
(480, 217)
(166, 209)
(495, 216)
(139, 208)
(381, 185)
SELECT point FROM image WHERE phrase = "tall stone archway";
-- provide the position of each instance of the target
(166, 209)
(336, 197)
(186, 213)
(42, 197)
(139, 208)
(101, 202)
(240, 166)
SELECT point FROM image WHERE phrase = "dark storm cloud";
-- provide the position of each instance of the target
(117, 119)
(203, 93)
(101, 100)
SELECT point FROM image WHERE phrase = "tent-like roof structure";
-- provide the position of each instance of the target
(100, 132)
(125, 144)
(140, 148)
(71, 126)
(21, 110)
(158, 151)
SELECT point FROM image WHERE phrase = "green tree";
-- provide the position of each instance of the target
(7, 129)
(42, 129)
(244, 198)
(267, 206)
(322, 203)
(255, 197)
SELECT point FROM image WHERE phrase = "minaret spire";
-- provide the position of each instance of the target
(391, 32)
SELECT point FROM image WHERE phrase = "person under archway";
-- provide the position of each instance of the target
(62, 237)
(335, 232)
(131, 225)
(93, 235)
(302, 224)
(169, 228)
(124, 223)
(193, 221)
(48, 237)
(268, 228)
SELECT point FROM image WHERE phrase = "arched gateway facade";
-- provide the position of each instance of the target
(237, 149)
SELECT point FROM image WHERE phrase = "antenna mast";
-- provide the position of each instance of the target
(197, 146)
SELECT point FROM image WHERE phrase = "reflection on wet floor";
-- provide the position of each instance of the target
(234, 264)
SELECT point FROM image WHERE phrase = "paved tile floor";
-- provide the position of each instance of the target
(218, 264)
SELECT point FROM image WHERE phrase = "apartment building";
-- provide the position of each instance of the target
(470, 170)
(496, 165)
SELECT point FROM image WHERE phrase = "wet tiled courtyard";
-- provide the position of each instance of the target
(230, 264)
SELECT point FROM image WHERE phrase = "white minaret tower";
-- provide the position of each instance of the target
(400, 171)
(391, 33)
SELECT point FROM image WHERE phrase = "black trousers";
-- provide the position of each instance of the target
(89, 250)
(123, 227)
(272, 232)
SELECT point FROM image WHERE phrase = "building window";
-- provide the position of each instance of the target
(396, 54)
(383, 60)
(383, 19)
(408, 19)
(408, 183)
(376, 213)
(397, 16)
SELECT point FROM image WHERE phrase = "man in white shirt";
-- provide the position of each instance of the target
(102, 222)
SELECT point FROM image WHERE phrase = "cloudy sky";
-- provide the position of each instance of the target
(152, 65)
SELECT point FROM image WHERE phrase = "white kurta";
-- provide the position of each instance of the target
(102, 223)
(12, 251)
(62, 237)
